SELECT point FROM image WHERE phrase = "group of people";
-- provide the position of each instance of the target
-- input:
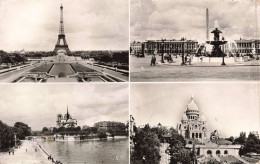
(53, 161)
(186, 58)
(11, 151)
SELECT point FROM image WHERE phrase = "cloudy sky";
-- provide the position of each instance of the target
(173, 19)
(229, 107)
(38, 105)
(89, 24)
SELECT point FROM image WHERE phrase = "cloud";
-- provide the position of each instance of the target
(154, 19)
(38, 105)
(89, 24)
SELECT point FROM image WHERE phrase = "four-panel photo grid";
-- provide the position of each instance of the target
(129, 82)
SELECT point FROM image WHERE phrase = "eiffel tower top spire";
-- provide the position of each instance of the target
(61, 30)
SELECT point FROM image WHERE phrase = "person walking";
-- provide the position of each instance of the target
(189, 59)
(153, 60)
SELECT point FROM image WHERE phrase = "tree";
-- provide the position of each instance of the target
(177, 150)
(241, 139)
(90, 130)
(252, 144)
(146, 144)
(105, 58)
(6, 136)
(54, 130)
(231, 139)
(102, 132)
(121, 57)
(22, 130)
(7, 59)
(18, 58)
(45, 129)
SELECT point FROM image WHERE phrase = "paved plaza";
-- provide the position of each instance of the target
(25, 155)
(197, 71)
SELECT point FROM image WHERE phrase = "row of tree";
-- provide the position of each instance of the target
(250, 143)
(100, 129)
(13, 58)
(7, 133)
(147, 142)
(121, 57)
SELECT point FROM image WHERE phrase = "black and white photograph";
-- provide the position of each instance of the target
(202, 40)
(46, 41)
(188, 123)
(129, 81)
(64, 124)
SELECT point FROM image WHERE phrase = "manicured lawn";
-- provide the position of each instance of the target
(42, 68)
(81, 68)
(61, 68)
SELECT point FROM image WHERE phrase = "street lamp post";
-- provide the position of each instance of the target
(256, 50)
(15, 139)
(223, 59)
(183, 63)
(162, 59)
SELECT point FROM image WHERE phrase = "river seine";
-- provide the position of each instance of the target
(88, 152)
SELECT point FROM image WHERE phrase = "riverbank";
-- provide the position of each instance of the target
(26, 154)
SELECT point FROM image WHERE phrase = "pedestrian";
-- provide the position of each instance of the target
(13, 152)
(153, 60)
(189, 59)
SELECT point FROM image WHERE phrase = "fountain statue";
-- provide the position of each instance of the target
(216, 51)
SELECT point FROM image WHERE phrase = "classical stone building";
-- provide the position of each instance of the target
(242, 47)
(66, 120)
(193, 124)
(170, 46)
(193, 127)
(136, 47)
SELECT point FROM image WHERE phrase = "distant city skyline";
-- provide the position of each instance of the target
(89, 25)
(229, 108)
(38, 105)
(156, 19)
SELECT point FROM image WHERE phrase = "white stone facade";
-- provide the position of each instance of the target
(193, 124)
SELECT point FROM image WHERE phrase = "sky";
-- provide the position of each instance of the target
(89, 24)
(38, 105)
(229, 108)
(173, 19)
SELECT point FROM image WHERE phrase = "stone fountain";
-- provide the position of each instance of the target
(216, 51)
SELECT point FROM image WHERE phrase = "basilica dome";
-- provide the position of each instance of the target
(192, 105)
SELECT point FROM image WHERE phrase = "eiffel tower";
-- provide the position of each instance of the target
(61, 43)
